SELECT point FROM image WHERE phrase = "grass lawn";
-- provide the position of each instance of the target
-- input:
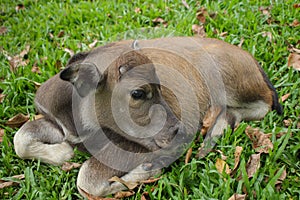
(52, 30)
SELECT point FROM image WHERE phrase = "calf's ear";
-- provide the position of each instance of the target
(84, 76)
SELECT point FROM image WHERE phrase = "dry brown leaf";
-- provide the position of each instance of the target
(1, 134)
(265, 10)
(124, 194)
(17, 120)
(201, 15)
(241, 42)
(157, 21)
(4, 184)
(280, 179)
(18, 60)
(20, 7)
(238, 197)
(188, 155)
(237, 156)
(68, 166)
(151, 180)
(39, 116)
(93, 44)
(296, 5)
(287, 122)
(35, 68)
(209, 119)
(223, 157)
(185, 4)
(253, 165)
(280, 134)
(129, 185)
(58, 64)
(261, 141)
(294, 61)
(145, 196)
(60, 34)
(37, 85)
(3, 30)
(199, 30)
(2, 96)
(220, 165)
(223, 34)
(137, 10)
(269, 35)
(69, 51)
(295, 23)
(285, 97)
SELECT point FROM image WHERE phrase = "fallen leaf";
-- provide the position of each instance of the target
(68, 166)
(265, 10)
(160, 20)
(35, 68)
(296, 5)
(129, 185)
(58, 65)
(18, 60)
(220, 165)
(93, 44)
(145, 196)
(51, 35)
(280, 134)
(223, 157)
(20, 7)
(2, 96)
(137, 10)
(237, 156)
(293, 49)
(238, 197)
(60, 34)
(269, 35)
(124, 194)
(261, 141)
(223, 34)
(199, 30)
(241, 42)
(294, 61)
(69, 51)
(253, 165)
(295, 23)
(285, 97)
(201, 15)
(287, 122)
(209, 119)
(37, 85)
(151, 180)
(1, 134)
(4, 184)
(188, 155)
(3, 30)
(185, 4)
(39, 116)
(17, 120)
(281, 178)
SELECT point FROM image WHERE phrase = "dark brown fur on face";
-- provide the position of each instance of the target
(104, 102)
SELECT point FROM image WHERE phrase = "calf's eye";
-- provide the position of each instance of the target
(138, 94)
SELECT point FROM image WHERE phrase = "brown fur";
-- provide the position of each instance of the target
(186, 76)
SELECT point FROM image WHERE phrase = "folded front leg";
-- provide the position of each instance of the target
(93, 177)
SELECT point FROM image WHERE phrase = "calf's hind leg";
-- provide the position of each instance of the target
(42, 139)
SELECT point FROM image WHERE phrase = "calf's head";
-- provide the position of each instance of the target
(126, 100)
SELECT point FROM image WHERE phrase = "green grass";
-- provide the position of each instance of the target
(85, 21)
